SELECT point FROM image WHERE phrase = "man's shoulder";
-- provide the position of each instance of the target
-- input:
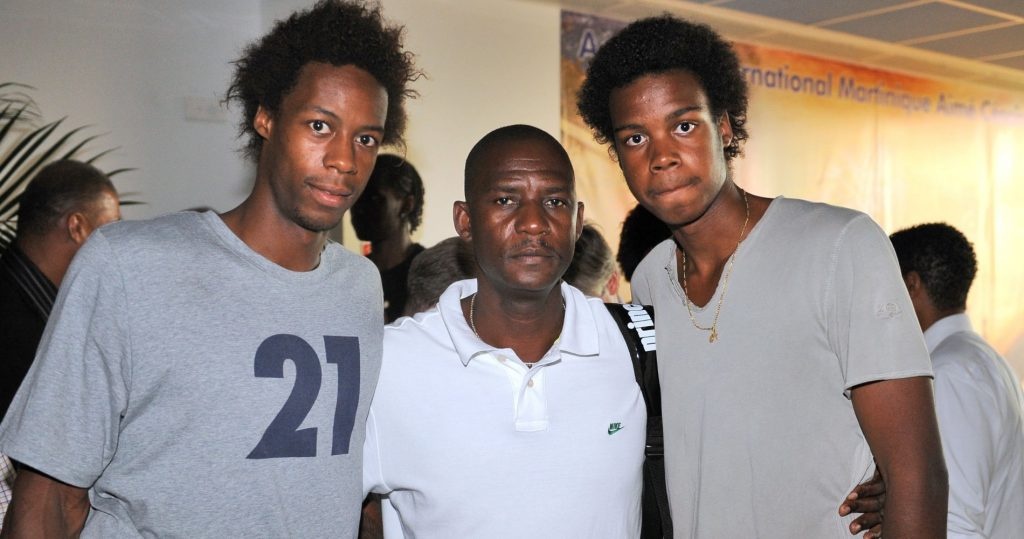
(407, 331)
(339, 257)
(965, 356)
(813, 216)
(169, 227)
(652, 267)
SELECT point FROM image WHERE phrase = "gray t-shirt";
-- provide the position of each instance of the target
(761, 439)
(199, 390)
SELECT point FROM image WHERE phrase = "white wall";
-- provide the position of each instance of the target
(127, 67)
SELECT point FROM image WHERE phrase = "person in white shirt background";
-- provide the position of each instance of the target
(978, 397)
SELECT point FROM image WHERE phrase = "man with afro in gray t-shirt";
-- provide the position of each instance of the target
(210, 375)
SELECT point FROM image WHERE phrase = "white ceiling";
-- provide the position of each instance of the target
(980, 40)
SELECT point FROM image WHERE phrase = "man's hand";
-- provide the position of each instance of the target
(867, 498)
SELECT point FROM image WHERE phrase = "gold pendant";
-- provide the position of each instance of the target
(714, 335)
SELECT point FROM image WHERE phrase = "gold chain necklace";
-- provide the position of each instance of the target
(725, 281)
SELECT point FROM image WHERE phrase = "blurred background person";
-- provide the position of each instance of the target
(592, 268)
(434, 270)
(980, 405)
(386, 215)
(58, 210)
(641, 231)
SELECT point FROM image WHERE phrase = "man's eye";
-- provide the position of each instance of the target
(367, 140)
(503, 201)
(635, 139)
(319, 126)
(557, 203)
(686, 127)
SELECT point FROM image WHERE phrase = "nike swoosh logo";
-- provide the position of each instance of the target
(612, 429)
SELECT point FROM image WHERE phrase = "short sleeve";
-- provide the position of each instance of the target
(65, 418)
(872, 325)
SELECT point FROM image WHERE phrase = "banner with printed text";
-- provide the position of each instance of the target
(902, 148)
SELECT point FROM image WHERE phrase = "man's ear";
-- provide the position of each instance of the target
(263, 122)
(915, 286)
(725, 129)
(78, 227)
(579, 220)
(460, 215)
(612, 286)
(408, 201)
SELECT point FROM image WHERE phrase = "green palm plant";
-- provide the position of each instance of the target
(26, 146)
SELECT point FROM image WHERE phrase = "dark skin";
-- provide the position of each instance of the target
(670, 149)
(318, 152)
(523, 219)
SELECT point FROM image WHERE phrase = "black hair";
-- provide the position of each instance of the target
(58, 189)
(943, 258)
(508, 133)
(592, 262)
(396, 174)
(641, 231)
(656, 45)
(333, 32)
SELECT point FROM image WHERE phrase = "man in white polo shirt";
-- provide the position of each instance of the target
(516, 393)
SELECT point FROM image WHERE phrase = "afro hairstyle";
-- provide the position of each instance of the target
(333, 32)
(656, 45)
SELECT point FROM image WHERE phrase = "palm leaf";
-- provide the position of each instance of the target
(25, 147)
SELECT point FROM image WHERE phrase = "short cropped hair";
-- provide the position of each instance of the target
(656, 45)
(334, 32)
(592, 262)
(398, 175)
(943, 258)
(509, 133)
(58, 189)
(434, 269)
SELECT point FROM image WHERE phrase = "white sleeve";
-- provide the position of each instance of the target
(964, 413)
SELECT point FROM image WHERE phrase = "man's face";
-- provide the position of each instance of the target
(320, 146)
(669, 146)
(376, 215)
(521, 216)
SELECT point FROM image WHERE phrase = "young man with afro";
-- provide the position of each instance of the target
(789, 357)
(160, 403)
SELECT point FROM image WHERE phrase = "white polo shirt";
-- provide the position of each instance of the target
(468, 442)
(980, 407)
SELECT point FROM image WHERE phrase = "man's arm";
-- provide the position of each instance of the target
(371, 525)
(42, 507)
(898, 421)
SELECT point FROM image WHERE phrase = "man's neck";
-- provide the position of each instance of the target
(526, 323)
(50, 254)
(274, 237)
